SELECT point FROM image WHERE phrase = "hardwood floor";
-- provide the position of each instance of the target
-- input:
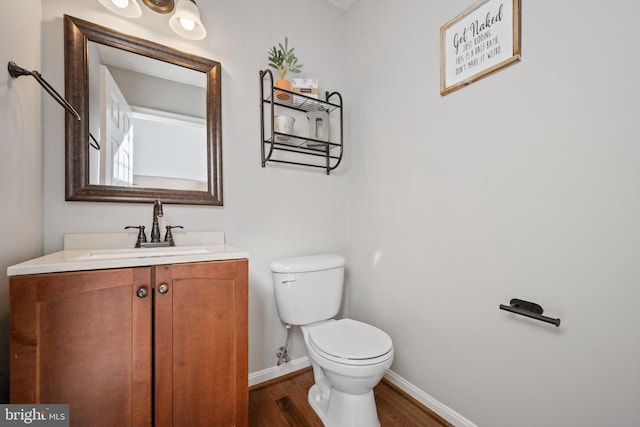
(283, 403)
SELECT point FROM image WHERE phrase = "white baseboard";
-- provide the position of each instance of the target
(439, 408)
(278, 371)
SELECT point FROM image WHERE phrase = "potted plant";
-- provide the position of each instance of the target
(284, 60)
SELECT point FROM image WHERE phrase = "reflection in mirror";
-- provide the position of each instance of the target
(139, 110)
(151, 120)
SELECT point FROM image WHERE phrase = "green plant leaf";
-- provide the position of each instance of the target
(283, 58)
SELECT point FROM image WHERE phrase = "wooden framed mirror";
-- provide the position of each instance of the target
(121, 153)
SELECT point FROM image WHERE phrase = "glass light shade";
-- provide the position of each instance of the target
(186, 10)
(187, 24)
(131, 8)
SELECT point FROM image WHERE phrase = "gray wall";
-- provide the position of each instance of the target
(143, 90)
(524, 184)
(20, 156)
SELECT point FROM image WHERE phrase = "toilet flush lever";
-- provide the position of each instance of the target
(288, 279)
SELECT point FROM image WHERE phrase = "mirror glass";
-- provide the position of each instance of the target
(140, 109)
(150, 120)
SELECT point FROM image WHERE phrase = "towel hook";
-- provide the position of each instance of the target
(16, 71)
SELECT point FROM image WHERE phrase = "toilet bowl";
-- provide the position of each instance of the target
(349, 357)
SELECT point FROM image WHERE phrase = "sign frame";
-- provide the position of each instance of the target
(481, 40)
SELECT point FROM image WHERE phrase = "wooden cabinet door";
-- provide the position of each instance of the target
(84, 338)
(200, 345)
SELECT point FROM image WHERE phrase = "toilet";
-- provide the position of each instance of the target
(349, 358)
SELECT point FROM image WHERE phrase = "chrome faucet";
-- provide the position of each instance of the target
(155, 229)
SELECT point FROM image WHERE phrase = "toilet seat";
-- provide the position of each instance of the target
(351, 342)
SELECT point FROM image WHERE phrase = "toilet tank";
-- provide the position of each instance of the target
(308, 289)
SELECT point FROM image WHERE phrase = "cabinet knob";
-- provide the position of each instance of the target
(163, 288)
(142, 292)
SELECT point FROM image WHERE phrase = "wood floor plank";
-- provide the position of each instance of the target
(399, 412)
(284, 404)
(263, 411)
(291, 412)
(278, 391)
(300, 392)
(408, 403)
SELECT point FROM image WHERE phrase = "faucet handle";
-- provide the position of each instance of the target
(168, 237)
(142, 237)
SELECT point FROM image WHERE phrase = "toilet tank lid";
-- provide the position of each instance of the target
(307, 263)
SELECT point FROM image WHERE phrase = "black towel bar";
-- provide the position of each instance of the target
(16, 71)
(529, 309)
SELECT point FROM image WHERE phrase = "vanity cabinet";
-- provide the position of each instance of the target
(300, 146)
(163, 345)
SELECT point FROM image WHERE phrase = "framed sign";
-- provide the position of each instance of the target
(479, 41)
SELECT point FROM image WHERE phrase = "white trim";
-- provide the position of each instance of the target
(161, 116)
(278, 371)
(439, 408)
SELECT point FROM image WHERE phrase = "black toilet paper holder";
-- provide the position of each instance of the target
(528, 309)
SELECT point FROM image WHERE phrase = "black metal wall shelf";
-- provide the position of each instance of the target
(293, 148)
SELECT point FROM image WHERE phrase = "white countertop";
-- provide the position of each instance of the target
(116, 250)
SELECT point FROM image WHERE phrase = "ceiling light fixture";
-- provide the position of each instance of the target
(185, 20)
(160, 6)
(128, 8)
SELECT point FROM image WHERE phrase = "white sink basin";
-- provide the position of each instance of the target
(96, 254)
